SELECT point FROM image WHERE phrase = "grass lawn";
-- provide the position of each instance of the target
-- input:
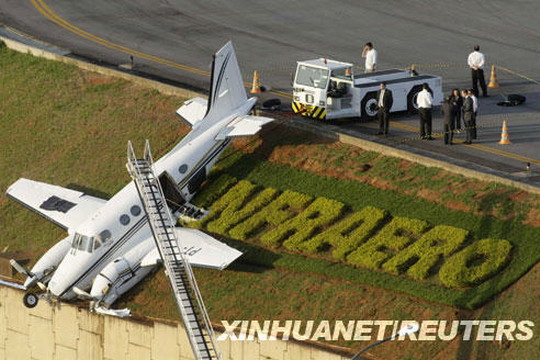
(67, 127)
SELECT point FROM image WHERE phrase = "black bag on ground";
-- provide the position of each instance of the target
(513, 100)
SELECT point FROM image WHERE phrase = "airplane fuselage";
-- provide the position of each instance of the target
(121, 225)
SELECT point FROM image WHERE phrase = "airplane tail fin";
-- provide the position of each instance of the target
(227, 90)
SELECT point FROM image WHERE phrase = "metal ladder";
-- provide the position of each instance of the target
(187, 294)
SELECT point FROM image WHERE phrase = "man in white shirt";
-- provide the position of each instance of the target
(476, 61)
(371, 57)
(424, 100)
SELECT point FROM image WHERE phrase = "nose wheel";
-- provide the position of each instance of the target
(30, 300)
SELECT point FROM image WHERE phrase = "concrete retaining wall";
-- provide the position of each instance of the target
(68, 332)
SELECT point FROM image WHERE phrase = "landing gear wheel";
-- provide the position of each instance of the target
(369, 106)
(30, 300)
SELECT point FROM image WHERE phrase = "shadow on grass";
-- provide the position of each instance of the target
(250, 261)
(89, 191)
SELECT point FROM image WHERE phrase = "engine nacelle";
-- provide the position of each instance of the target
(47, 264)
(121, 274)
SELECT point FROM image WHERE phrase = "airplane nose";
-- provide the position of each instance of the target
(59, 287)
(55, 287)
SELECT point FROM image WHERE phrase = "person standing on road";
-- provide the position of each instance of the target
(470, 92)
(476, 61)
(424, 100)
(384, 104)
(457, 104)
(468, 114)
(449, 118)
(371, 57)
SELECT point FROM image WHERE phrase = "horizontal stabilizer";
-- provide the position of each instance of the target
(193, 111)
(200, 249)
(246, 125)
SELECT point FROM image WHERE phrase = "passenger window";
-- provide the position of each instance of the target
(124, 219)
(135, 210)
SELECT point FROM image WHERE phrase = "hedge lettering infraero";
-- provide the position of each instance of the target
(370, 238)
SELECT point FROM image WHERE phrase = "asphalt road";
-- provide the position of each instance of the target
(176, 38)
(272, 35)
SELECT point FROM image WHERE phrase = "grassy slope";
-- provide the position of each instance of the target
(67, 127)
(357, 195)
(70, 128)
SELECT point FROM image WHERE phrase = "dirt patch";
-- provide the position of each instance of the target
(455, 205)
(428, 194)
(533, 218)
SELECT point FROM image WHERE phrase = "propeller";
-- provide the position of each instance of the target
(21, 269)
(83, 295)
(34, 278)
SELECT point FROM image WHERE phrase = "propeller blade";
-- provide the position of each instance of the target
(21, 269)
(82, 294)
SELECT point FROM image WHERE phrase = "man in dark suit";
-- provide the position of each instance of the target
(384, 104)
(468, 116)
(449, 119)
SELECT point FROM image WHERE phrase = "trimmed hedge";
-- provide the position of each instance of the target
(295, 231)
(399, 247)
(475, 263)
(277, 212)
(232, 199)
(391, 239)
(356, 196)
(238, 206)
(419, 259)
(346, 235)
(213, 190)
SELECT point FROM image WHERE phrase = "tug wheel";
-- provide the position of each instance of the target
(369, 106)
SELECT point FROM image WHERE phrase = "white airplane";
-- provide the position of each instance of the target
(109, 247)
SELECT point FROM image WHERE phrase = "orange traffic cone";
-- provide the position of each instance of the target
(256, 88)
(504, 135)
(493, 79)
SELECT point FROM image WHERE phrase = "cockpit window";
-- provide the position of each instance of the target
(97, 243)
(83, 243)
(312, 76)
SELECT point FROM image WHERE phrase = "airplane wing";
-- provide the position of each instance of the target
(201, 249)
(65, 207)
(246, 125)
